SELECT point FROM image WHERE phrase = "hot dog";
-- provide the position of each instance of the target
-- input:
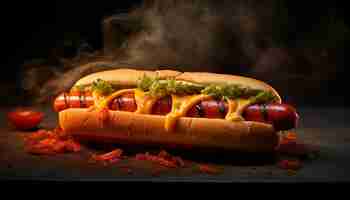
(170, 107)
(281, 116)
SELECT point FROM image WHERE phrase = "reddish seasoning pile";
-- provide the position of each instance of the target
(110, 157)
(208, 169)
(48, 142)
(289, 146)
(163, 158)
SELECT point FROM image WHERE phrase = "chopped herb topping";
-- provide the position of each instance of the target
(157, 87)
(263, 96)
(102, 87)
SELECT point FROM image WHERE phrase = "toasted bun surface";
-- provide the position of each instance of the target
(143, 129)
(129, 77)
(125, 77)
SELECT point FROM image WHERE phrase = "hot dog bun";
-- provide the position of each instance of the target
(128, 127)
(129, 77)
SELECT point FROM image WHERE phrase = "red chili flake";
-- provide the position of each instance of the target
(163, 158)
(289, 145)
(111, 157)
(164, 154)
(140, 156)
(49, 143)
(178, 160)
(166, 163)
(290, 164)
(73, 146)
(292, 136)
(208, 169)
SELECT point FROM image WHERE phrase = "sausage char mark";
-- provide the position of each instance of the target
(209, 109)
(73, 99)
(125, 102)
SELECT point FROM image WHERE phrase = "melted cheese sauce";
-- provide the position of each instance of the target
(101, 102)
(235, 109)
(180, 105)
(144, 102)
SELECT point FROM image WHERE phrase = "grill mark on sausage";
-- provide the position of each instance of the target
(65, 100)
(119, 104)
(82, 99)
(222, 108)
(199, 110)
(264, 112)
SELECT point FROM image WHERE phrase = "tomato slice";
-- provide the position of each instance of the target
(24, 119)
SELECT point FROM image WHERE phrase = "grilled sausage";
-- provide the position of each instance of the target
(74, 99)
(281, 116)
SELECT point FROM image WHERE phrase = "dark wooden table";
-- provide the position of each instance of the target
(327, 126)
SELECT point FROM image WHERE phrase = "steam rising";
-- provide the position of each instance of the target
(199, 35)
(234, 37)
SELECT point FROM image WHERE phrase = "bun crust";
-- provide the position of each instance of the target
(125, 77)
(132, 128)
(129, 77)
(126, 127)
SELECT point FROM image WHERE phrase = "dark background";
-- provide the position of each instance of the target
(30, 29)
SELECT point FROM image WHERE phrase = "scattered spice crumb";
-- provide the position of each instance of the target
(163, 158)
(110, 157)
(291, 136)
(47, 142)
(204, 168)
